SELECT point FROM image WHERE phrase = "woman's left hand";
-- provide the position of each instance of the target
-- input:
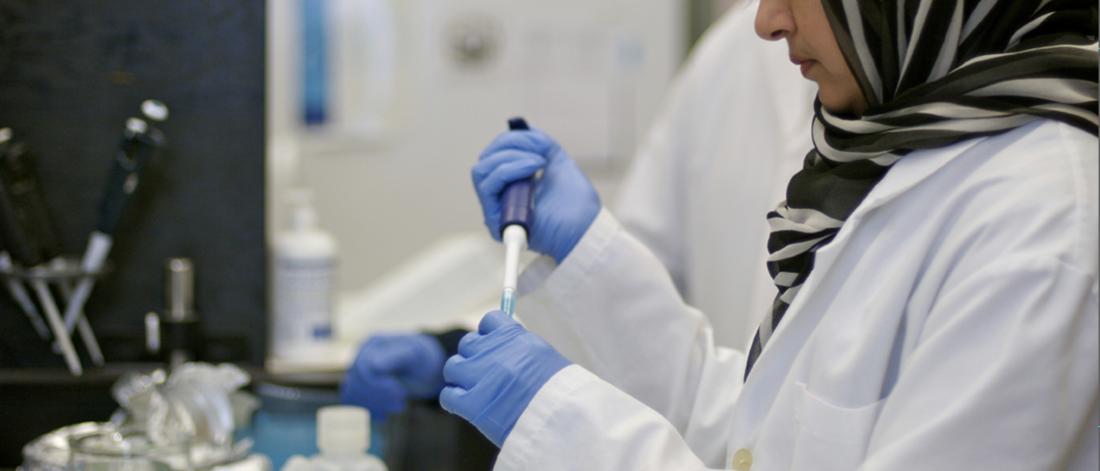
(496, 373)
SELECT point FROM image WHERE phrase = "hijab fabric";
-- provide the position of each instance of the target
(933, 72)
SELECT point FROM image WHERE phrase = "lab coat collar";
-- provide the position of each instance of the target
(774, 363)
(909, 171)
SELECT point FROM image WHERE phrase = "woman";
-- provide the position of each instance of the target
(935, 259)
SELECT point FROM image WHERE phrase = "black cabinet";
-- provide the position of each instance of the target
(71, 73)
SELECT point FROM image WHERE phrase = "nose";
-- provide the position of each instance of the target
(774, 20)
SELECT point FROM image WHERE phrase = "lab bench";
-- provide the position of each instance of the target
(36, 401)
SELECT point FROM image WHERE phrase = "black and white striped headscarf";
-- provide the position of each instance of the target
(933, 72)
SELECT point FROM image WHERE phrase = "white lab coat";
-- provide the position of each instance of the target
(718, 158)
(951, 324)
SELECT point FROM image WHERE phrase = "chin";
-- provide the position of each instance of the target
(840, 103)
(834, 104)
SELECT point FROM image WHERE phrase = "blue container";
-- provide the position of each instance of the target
(286, 424)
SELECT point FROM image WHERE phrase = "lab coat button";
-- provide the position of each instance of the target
(742, 460)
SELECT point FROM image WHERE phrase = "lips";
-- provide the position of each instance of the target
(804, 64)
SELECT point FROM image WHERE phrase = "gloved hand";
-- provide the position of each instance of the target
(565, 201)
(391, 369)
(496, 373)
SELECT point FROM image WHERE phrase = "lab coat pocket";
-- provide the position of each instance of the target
(830, 437)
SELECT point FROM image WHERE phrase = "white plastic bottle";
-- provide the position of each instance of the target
(304, 259)
(343, 436)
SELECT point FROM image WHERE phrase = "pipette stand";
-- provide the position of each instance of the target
(63, 273)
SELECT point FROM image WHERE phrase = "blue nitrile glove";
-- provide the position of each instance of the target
(565, 201)
(391, 369)
(496, 373)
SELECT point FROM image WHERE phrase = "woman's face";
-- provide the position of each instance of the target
(813, 47)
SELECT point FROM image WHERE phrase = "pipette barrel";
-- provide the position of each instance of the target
(518, 196)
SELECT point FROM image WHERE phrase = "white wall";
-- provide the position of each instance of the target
(590, 72)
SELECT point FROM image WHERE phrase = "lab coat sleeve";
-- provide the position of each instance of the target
(1012, 333)
(579, 422)
(612, 308)
(650, 203)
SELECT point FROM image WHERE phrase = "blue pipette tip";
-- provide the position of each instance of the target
(508, 303)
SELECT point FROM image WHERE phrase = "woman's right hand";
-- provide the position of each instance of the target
(565, 201)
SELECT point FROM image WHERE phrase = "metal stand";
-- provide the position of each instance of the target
(63, 273)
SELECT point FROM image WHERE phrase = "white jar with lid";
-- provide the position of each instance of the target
(343, 437)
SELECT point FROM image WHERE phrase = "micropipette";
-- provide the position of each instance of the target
(517, 212)
(140, 142)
